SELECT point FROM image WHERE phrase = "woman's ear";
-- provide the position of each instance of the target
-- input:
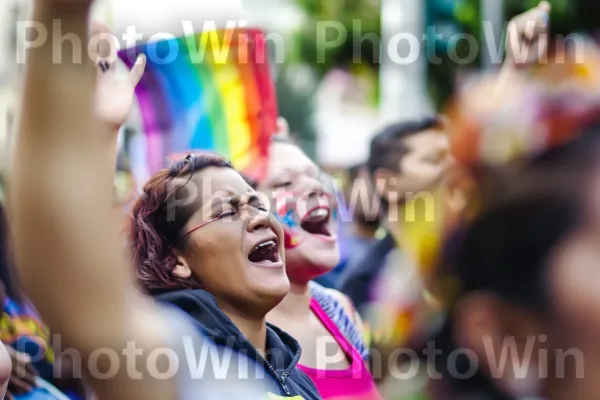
(182, 268)
(497, 332)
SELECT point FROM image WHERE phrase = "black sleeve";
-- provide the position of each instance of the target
(356, 282)
(359, 277)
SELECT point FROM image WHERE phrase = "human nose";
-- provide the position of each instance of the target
(310, 187)
(262, 220)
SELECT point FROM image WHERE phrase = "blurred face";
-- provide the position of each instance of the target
(575, 274)
(305, 207)
(423, 166)
(237, 252)
(569, 326)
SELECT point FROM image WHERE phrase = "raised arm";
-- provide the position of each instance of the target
(114, 97)
(526, 43)
(66, 237)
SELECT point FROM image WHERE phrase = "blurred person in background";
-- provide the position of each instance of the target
(517, 275)
(317, 317)
(405, 159)
(28, 340)
(523, 267)
(410, 163)
(404, 309)
(357, 234)
(519, 278)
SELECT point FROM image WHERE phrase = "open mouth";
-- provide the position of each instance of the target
(265, 252)
(316, 221)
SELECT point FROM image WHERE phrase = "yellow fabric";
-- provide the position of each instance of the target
(271, 396)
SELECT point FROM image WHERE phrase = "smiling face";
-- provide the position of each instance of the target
(423, 160)
(232, 243)
(306, 209)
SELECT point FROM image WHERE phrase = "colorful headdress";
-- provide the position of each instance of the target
(498, 122)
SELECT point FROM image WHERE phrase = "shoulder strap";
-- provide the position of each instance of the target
(338, 313)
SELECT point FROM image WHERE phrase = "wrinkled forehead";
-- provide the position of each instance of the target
(209, 186)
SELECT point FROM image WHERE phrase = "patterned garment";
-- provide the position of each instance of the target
(352, 383)
(22, 328)
(338, 313)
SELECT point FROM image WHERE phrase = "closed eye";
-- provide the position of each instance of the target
(283, 185)
(227, 213)
(436, 158)
(258, 204)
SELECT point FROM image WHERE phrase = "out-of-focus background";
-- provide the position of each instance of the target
(349, 89)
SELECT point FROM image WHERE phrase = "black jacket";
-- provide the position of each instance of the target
(359, 277)
(278, 372)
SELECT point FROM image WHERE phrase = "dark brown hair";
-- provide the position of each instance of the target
(156, 227)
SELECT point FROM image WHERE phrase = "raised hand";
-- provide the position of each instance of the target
(283, 128)
(114, 96)
(527, 36)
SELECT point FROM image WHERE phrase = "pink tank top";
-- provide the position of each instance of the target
(353, 383)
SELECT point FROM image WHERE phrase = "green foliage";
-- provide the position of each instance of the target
(296, 100)
(574, 16)
(468, 12)
(567, 16)
(361, 18)
(329, 20)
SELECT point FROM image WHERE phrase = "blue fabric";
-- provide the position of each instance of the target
(23, 330)
(36, 394)
(359, 277)
(338, 314)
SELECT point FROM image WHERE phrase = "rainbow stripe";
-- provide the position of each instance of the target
(210, 91)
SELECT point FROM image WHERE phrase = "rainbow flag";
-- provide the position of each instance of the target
(209, 91)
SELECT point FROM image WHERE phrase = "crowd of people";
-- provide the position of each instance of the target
(259, 290)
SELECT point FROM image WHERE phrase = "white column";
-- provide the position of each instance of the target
(6, 24)
(403, 81)
(492, 14)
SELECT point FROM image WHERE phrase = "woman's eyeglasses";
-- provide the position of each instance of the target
(194, 229)
(253, 202)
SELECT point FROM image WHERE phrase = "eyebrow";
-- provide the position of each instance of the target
(234, 201)
(216, 203)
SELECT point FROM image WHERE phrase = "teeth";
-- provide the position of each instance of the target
(320, 212)
(264, 244)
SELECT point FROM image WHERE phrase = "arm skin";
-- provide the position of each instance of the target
(5, 370)
(66, 236)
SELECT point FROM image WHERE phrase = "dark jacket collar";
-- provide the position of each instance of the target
(283, 351)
